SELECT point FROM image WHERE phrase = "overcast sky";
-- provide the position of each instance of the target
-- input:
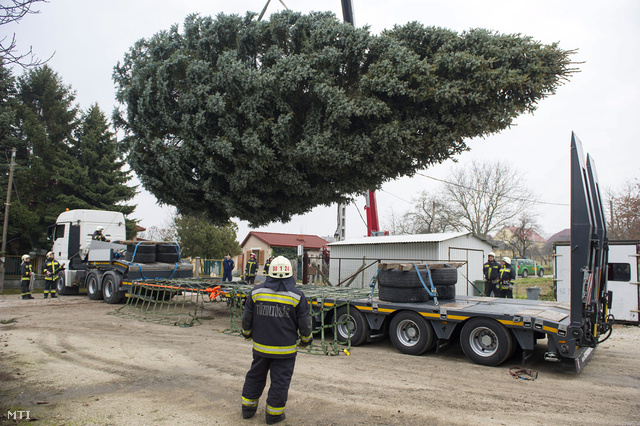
(600, 103)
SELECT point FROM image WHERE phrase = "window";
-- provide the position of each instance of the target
(619, 272)
(59, 232)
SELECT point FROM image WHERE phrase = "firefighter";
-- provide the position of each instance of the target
(26, 272)
(97, 234)
(491, 271)
(251, 270)
(266, 265)
(50, 271)
(507, 278)
(274, 312)
(227, 268)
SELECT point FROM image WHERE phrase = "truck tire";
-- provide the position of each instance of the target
(144, 253)
(167, 257)
(411, 334)
(62, 289)
(409, 279)
(486, 341)
(94, 292)
(352, 325)
(110, 288)
(446, 291)
(167, 248)
(407, 295)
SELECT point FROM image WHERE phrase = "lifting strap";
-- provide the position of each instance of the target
(432, 292)
(523, 373)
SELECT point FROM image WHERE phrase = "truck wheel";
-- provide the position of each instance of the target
(93, 286)
(110, 289)
(352, 325)
(540, 272)
(524, 273)
(486, 341)
(411, 334)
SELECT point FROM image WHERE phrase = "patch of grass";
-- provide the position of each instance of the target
(545, 284)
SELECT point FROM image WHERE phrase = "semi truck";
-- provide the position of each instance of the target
(490, 329)
(107, 269)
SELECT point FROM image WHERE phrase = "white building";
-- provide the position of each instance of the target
(350, 255)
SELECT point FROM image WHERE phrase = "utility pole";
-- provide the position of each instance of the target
(6, 218)
(347, 16)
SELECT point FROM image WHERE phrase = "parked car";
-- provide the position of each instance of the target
(527, 267)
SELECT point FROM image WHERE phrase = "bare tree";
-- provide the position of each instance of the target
(14, 11)
(624, 212)
(521, 238)
(485, 196)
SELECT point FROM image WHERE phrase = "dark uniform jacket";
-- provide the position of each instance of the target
(273, 313)
(491, 271)
(25, 271)
(53, 266)
(251, 269)
(98, 236)
(227, 265)
(507, 277)
(266, 267)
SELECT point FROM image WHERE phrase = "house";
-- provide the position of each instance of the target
(508, 237)
(350, 255)
(265, 244)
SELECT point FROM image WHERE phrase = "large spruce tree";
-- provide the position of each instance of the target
(262, 120)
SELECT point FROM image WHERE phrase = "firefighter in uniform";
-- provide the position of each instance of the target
(26, 271)
(507, 277)
(251, 269)
(266, 265)
(50, 271)
(491, 271)
(97, 234)
(273, 314)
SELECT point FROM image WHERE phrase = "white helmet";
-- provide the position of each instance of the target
(280, 268)
(100, 228)
(507, 260)
(491, 254)
(26, 257)
(50, 255)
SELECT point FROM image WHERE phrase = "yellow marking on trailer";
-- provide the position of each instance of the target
(370, 308)
(508, 322)
(428, 314)
(550, 329)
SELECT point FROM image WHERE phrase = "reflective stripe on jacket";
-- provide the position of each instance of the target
(53, 266)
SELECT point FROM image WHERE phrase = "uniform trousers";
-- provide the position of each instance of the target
(281, 372)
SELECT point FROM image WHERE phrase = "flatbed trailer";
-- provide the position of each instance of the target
(491, 329)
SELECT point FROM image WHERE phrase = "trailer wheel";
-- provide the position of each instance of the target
(411, 334)
(352, 325)
(110, 289)
(486, 341)
(93, 286)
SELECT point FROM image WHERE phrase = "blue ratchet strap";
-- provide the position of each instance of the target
(373, 283)
(432, 292)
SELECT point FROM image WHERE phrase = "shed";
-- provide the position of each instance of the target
(350, 255)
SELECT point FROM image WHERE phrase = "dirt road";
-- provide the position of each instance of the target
(68, 361)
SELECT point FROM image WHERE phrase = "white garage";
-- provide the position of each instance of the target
(348, 256)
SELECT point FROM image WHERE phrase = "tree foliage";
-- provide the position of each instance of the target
(199, 237)
(64, 158)
(262, 120)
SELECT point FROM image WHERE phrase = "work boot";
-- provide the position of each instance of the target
(53, 296)
(45, 295)
(248, 412)
(272, 420)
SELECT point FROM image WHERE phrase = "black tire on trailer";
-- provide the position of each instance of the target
(405, 295)
(110, 288)
(141, 257)
(166, 248)
(411, 334)
(446, 291)
(352, 325)
(409, 279)
(486, 342)
(92, 282)
(167, 257)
